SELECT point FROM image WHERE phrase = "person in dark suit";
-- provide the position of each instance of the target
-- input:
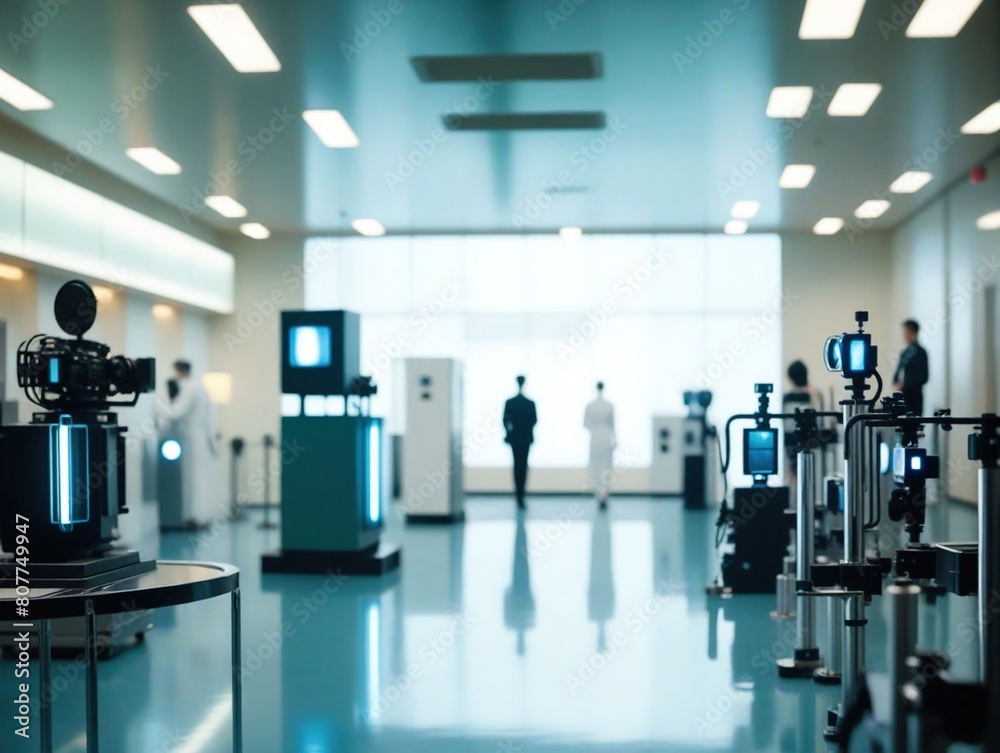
(519, 419)
(913, 370)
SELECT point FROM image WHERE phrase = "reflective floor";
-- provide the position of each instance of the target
(564, 629)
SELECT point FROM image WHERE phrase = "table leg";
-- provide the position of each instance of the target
(45, 686)
(90, 650)
(237, 674)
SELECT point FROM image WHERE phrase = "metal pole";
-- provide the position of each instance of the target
(90, 651)
(854, 644)
(989, 590)
(834, 653)
(237, 648)
(854, 489)
(804, 553)
(268, 444)
(904, 595)
(45, 661)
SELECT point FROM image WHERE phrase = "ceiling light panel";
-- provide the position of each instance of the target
(746, 210)
(789, 101)
(941, 18)
(986, 122)
(736, 227)
(910, 182)
(332, 128)
(368, 227)
(17, 93)
(153, 160)
(872, 209)
(853, 100)
(830, 19)
(230, 29)
(227, 206)
(828, 226)
(797, 176)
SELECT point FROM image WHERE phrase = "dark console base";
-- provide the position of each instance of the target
(83, 573)
(457, 517)
(379, 561)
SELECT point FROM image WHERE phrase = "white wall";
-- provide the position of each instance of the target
(942, 264)
(828, 278)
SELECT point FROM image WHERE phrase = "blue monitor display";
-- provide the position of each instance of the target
(858, 357)
(310, 347)
(760, 452)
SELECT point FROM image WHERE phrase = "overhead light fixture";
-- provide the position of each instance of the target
(227, 206)
(830, 19)
(332, 129)
(570, 233)
(368, 227)
(853, 100)
(746, 210)
(735, 227)
(153, 160)
(872, 209)
(9, 272)
(230, 29)
(17, 93)
(103, 294)
(828, 226)
(789, 101)
(989, 221)
(941, 18)
(797, 176)
(910, 182)
(163, 311)
(255, 230)
(986, 122)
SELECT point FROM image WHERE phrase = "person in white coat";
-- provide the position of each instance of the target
(599, 419)
(192, 416)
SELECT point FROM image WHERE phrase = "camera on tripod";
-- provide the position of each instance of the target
(65, 470)
(852, 355)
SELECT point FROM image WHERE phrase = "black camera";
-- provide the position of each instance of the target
(852, 355)
(60, 374)
(64, 472)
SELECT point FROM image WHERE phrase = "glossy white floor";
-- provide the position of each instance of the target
(566, 629)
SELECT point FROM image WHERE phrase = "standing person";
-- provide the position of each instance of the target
(802, 396)
(192, 415)
(913, 370)
(519, 419)
(599, 420)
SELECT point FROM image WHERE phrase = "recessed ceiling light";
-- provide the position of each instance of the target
(746, 210)
(368, 227)
(989, 221)
(8, 272)
(828, 226)
(872, 209)
(797, 176)
(941, 18)
(230, 29)
(255, 230)
(570, 233)
(153, 160)
(736, 227)
(332, 128)
(853, 100)
(227, 206)
(830, 19)
(910, 182)
(988, 121)
(20, 95)
(789, 101)
(162, 311)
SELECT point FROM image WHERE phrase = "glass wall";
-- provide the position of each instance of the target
(650, 315)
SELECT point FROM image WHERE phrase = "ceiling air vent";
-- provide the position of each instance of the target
(526, 121)
(445, 68)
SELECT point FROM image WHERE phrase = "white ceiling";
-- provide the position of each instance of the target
(685, 127)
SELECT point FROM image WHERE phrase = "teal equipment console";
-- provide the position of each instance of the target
(333, 473)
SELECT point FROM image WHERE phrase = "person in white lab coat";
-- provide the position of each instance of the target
(192, 416)
(599, 419)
